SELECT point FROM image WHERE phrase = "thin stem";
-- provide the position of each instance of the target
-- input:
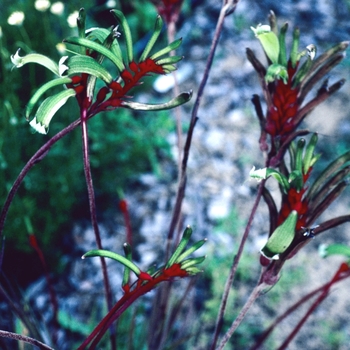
(164, 293)
(24, 338)
(288, 312)
(253, 296)
(194, 117)
(93, 215)
(19, 310)
(122, 304)
(237, 257)
(312, 308)
(37, 157)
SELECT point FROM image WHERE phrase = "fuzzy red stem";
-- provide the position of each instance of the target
(119, 308)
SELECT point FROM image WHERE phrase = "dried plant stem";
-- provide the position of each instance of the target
(25, 339)
(237, 257)
(93, 215)
(253, 296)
(164, 292)
(226, 8)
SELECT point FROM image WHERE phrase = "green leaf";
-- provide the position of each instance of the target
(296, 177)
(329, 171)
(45, 61)
(48, 109)
(168, 68)
(282, 180)
(282, 58)
(191, 250)
(269, 41)
(98, 48)
(299, 155)
(128, 255)
(181, 246)
(86, 64)
(302, 72)
(107, 254)
(309, 153)
(295, 47)
(281, 238)
(127, 34)
(153, 39)
(171, 47)
(192, 262)
(177, 101)
(35, 98)
(334, 249)
(193, 270)
(169, 60)
(264, 173)
(97, 34)
(81, 23)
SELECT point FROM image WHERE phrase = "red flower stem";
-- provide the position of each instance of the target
(236, 259)
(290, 310)
(117, 310)
(37, 157)
(25, 339)
(92, 205)
(318, 301)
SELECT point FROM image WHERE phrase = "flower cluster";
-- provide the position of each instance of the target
(80, 72)
(178, 266)
(291, 227)
(286, 82)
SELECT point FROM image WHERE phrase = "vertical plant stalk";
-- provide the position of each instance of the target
(164, 293)
(236, 259)
(228, 7)
(93, 215)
